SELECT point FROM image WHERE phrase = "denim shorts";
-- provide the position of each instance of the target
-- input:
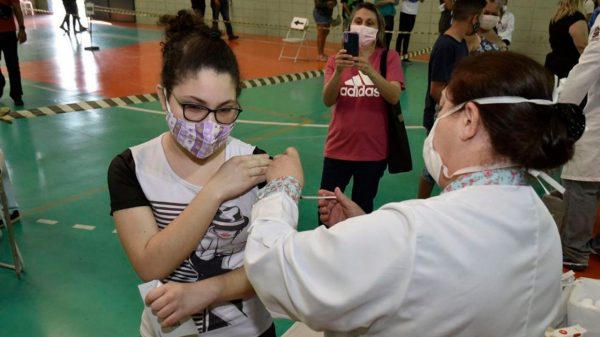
(321, 19)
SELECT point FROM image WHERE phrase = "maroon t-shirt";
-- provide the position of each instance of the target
(358, 128)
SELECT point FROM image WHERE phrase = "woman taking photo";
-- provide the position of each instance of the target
(357, 141)
(481, 259)
(568, 38)
(181, 201)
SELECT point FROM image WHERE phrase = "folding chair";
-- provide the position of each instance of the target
(27, 7)
(296, 34)
(17, 264)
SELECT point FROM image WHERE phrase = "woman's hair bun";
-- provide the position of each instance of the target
(573, 117)
(184, 24)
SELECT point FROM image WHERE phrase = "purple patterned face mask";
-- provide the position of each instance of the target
(200, 139)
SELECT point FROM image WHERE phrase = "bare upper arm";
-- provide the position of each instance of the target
(135, 227)
(579, 33)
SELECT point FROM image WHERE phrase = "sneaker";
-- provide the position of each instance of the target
(406, 61)
(575, 266)
(64, 29)
(14, 217)
(233, 37)
(81, 30)
(18, 101)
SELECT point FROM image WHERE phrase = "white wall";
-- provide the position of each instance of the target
(530, 37)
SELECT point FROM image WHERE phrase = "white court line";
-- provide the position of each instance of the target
(84, 227)
(245, 121)
(47, 221)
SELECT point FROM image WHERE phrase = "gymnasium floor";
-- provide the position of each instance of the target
(78, 281)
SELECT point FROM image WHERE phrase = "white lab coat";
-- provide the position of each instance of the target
(584, 79)
(480, 261)
(506, 26)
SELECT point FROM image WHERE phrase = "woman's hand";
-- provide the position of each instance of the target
(172, 302)
(343, 61)
(362, 63)
(287, 164)
(332, 211)
(238, 175)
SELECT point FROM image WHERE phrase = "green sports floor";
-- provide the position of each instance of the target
(78, 282)
(77, 279)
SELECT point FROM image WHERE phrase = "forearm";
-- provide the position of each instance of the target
(233, 285)
(388, 90)
(155, 255)
(19, 16)
(331, 90)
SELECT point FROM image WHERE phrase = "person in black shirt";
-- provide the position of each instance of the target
(449, 48)
(568, 38)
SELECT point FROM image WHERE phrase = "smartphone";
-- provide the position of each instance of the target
(351, 43)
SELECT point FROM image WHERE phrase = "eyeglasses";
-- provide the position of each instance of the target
(196, 112)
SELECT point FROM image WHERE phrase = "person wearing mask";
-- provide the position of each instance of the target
(181, 202)
(387, 8)
(448, 49)
(446, 15)
(506, 25)
(568, 38)
(408, 16)
(581, 175)
(481, 259)
(222, 7)
(357, 143)
(10, 38)
(322, 14)
(486, 38)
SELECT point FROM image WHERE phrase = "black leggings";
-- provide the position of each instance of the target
(389, 26)
(337, 173)
(199, 6)
(407, 23)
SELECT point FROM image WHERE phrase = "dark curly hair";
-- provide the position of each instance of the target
(190, 46)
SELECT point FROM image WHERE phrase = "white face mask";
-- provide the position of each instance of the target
(366, 34)
(433, 160)
(488, 22)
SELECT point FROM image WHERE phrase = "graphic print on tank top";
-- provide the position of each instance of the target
(220, 251)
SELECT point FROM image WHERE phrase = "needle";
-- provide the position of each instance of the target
(317, 197)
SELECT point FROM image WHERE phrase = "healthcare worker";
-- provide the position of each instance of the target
(581, 175)
(481, 259)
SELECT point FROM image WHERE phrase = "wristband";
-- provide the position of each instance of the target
(289, 185)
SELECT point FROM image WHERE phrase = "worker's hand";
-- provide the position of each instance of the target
(332, 211)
